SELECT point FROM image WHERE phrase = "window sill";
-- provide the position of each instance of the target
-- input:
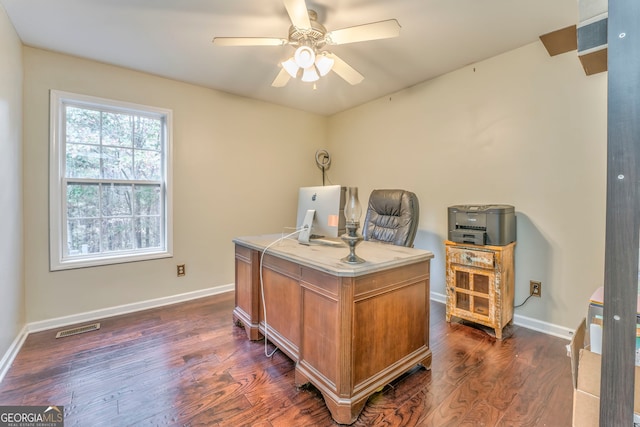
(74, 263)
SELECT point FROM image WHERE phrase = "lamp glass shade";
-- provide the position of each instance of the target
(324, 64)
(304, 56)
(352, 208)
(310, 74)
(291, 67)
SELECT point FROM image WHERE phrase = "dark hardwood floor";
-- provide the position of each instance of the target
(189, 365)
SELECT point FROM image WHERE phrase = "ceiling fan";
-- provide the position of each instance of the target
(310, 61)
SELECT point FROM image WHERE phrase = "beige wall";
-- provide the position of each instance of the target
(237, 168)
(521, 128)
(12, 305)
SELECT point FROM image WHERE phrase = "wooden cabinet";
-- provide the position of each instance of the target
(480, 284)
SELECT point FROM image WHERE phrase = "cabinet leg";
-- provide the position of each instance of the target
(498, 333)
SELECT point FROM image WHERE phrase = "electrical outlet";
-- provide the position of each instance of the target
(181, 270)
(535, 288)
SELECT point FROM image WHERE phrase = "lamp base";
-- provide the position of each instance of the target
(352, 238)
(352, 259)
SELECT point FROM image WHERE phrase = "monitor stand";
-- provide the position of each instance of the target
(305, 233)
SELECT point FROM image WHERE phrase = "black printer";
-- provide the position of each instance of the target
(482, 224)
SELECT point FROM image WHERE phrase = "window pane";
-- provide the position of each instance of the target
(148, 165)
(83, 236)
(82, 125)
(117, 163)
(148, 232)
(107, 183)
(83, 200)
(148, 201)
(83, 161)
(117, 234)
(147, 133)
(117, 129)
(116, 200)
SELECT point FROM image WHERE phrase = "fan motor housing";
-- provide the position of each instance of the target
(313, 36)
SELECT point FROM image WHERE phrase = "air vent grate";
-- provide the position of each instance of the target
(78, 330)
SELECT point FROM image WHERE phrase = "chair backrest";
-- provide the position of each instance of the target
(392, 217)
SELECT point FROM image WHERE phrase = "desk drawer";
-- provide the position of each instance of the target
(471, 257)
(281, 266)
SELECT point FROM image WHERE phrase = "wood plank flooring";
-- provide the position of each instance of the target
(188, 365)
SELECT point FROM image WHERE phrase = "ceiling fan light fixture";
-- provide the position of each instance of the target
(324, 64)
(291, 67)
(309, 37)
(305, 57)
(310, 74)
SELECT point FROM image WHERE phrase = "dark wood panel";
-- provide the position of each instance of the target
(623, 217)
(188, 365)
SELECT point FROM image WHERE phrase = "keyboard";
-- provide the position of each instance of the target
(326, 241)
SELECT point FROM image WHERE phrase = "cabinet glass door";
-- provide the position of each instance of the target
(472, 292)
(463, 301)
(481, 302)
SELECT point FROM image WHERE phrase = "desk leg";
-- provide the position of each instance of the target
(426, 362)
(343, 411)
(241, 319)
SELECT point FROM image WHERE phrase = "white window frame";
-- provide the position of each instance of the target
(57, 184)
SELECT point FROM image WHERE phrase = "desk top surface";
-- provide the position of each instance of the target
(377, 256)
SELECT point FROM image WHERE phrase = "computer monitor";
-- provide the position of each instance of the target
(323, 208)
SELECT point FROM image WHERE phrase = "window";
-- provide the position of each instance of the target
(110, 182)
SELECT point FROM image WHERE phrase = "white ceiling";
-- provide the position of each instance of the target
(172, 38)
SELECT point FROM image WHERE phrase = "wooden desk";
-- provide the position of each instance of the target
(351, 329)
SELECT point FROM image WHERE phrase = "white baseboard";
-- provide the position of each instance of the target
(438, 297)
(544, 327)
(12, 352)
(90, 316)
(525, 322)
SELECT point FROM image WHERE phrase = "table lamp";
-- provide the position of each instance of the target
(352, 213)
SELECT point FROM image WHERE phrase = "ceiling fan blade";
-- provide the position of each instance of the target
(281, 79)
(344, 70)
(298, 13)
(360, 33)
(249, 41)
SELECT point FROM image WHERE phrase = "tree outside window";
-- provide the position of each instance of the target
(113, 170)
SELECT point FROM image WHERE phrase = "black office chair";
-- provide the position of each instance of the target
(392, 217)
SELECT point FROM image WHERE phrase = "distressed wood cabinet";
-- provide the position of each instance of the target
(480, 284)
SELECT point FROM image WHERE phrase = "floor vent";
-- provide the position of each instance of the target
(78, 330)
